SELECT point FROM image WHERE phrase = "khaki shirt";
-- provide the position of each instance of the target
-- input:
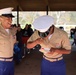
(59, 39)
(7, 41)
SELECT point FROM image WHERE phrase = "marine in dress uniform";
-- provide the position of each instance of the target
(54, 43)
(7, 40)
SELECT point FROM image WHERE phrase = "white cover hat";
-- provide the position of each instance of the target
(43, 23)
(6, 12)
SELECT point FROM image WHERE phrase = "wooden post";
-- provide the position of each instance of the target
(47, 10)
(17, 15)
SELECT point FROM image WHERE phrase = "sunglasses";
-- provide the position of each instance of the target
(44, 34)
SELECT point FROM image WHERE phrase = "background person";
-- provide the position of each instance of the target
(18, 54)
(7, 40)
(25, 31)
(74, 36)
(54, 43)
(30, 30)
(62, 28)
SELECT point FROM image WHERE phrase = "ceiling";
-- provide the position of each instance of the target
(40, 5)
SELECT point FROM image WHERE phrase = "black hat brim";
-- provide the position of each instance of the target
(8, 15)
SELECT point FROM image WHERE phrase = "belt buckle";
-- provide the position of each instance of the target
(4, 59)
(55, 60)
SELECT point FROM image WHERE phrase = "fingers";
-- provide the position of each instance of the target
(52, 50)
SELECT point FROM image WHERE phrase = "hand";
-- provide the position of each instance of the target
(59, 51)
(53, 50)
(39, 40)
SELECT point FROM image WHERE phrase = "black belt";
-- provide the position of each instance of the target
(6, 59)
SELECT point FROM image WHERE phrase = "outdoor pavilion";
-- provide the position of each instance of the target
(39, 5)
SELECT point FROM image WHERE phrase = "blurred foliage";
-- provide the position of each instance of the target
(61, 17)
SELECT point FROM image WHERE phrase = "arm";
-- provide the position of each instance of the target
(34, 43)
(65, 46)
(60, 51)
(31, 44)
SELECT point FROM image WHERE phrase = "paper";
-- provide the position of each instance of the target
(47, 49)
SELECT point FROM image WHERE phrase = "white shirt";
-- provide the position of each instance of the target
(7, 30)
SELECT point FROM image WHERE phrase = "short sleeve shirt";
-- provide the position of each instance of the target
(59, 39)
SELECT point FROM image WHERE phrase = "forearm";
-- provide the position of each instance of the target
(64, 51)
(31, 44)
(61, 50)
(34, 43)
